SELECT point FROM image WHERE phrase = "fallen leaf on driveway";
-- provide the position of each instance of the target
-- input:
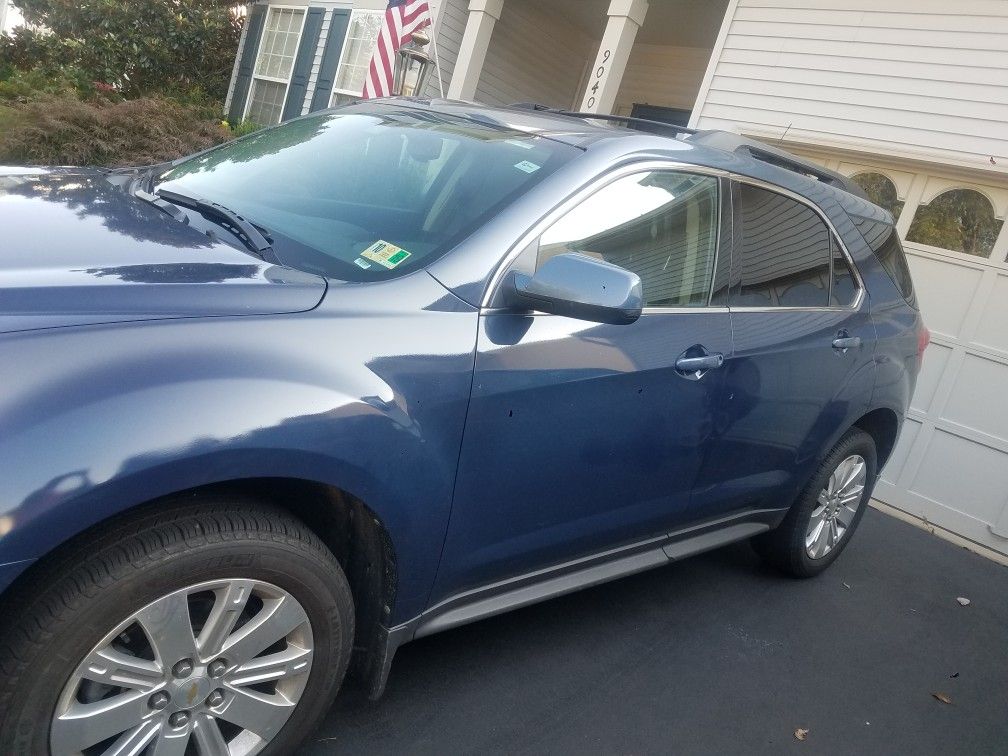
(942, 697)
(963, 601)
(801, 733)
(847, 586)
(954, 674)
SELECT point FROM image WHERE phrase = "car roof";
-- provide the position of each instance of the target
(712, 148)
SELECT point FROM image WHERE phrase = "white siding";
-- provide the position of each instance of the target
(662, 75)
(317, 60)
(320, 50)
(912, 78)
(535, 55)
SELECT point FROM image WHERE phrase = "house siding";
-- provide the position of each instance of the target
(910, 78)
(450, 18)
(529, 58)
(317, 60)
(662, 75)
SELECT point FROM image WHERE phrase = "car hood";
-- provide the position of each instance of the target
(76, 249)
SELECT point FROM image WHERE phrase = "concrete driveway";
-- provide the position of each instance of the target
(717, 654)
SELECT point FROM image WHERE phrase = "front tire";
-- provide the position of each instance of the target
(222, 627)
(825, 515)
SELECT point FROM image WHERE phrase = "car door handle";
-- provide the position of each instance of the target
(847, 342)
(697, 364)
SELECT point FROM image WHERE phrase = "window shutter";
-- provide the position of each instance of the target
(256, 19)
(330, 58)
(303, 63)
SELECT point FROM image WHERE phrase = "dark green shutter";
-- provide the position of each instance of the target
(255, 20)
(302, 64)
(330, 58)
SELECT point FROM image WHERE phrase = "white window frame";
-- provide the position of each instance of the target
(286, 82)
(343, 53)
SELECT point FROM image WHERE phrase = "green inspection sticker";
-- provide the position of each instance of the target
(385, 254)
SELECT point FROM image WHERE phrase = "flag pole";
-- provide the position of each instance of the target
(435, 17)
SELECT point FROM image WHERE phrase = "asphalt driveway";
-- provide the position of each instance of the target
(717, 654)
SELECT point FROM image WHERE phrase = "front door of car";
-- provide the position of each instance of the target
(583, 436)
(803, 364)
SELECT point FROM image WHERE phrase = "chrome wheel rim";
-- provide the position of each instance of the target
(217, 667)
(836, 506)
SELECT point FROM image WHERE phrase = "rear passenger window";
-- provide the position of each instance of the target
(784, 258)
(661, 225)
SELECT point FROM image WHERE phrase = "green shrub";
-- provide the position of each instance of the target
(65, 130)
(25, 85)
(140, 46)
(241, 129)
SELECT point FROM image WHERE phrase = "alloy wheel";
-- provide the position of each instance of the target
(836, 507)
(216, 668)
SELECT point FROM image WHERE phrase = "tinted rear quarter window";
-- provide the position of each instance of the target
(893, 259)
(844, 288)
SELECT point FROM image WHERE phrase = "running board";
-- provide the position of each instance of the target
(586, 572)
(499, 598)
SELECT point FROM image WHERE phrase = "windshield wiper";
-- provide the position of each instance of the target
(246, 231)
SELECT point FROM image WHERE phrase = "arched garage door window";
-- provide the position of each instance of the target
(880, 190)
(961, 220)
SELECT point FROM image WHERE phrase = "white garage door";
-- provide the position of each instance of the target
(950, 466)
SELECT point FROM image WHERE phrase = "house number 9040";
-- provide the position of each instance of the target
(599, 73)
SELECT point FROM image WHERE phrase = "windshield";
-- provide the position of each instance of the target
(369, 192)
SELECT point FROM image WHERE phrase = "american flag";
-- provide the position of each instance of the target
(402, 18)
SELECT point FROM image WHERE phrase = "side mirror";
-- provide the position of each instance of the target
(578, 286)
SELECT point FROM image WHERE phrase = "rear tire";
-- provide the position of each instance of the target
(101, 628)
(825, 515)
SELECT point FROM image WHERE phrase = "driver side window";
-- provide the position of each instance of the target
(661, 225)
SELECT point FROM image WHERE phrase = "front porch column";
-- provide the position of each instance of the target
(625, 18)
(483, 14)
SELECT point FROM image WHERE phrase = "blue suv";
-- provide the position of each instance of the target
(271, 411)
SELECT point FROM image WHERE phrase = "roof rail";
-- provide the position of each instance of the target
(723, 140)
(766, 153)
(604, 117)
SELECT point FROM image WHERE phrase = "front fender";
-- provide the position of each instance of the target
(96, 421)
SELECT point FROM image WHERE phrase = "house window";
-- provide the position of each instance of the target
(961, 220)
(274, 64)
(880, 190)
(359, 46)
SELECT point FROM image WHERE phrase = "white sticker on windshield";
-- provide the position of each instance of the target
(362, 263)
(519, 143)
(527, 166)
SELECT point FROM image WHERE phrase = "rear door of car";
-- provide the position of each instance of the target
(584, 436)
(803, 359)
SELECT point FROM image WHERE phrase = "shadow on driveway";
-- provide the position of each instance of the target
(717, 654)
